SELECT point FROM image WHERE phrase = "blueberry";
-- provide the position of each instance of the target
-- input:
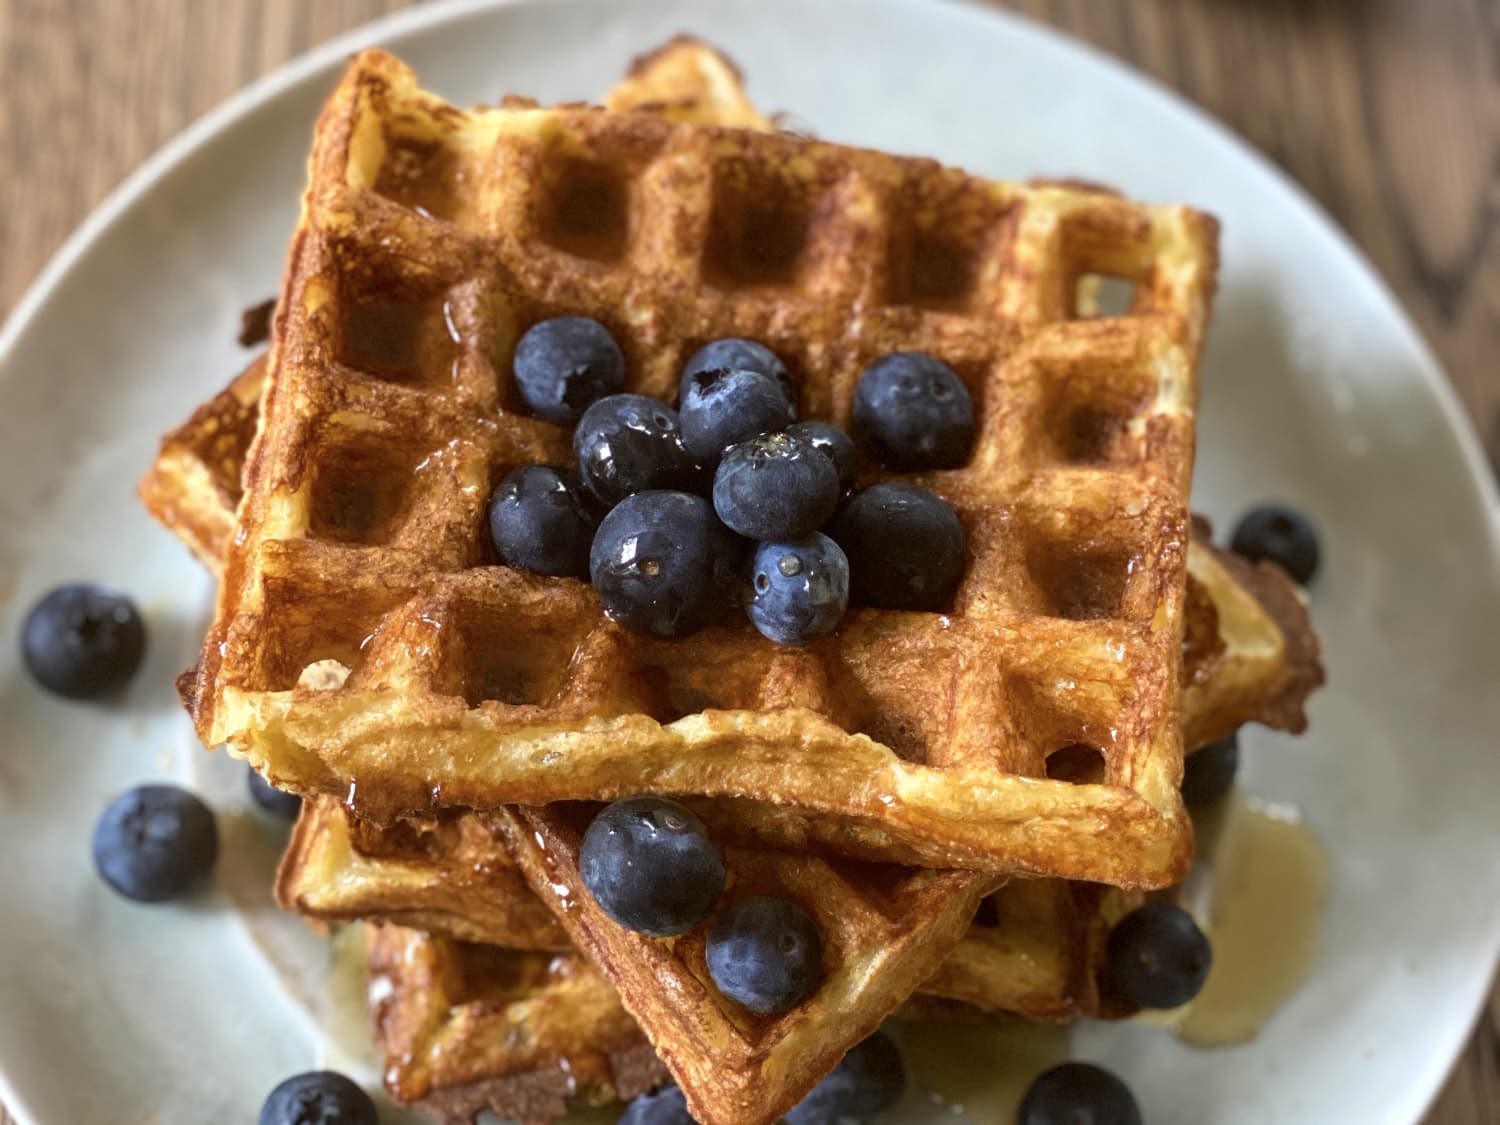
(868, 1081)
(1209, 771)
(650, 865)
(565, 364)
(837, 445)
(1281, 535)
(913, 412)
(155, 842)
(1076, 1093)
(905, 546)
(83, 641)
(722, 406)
(630, 443)
(319, 1097)
(661, 563)
(277, 802)
(799, 590)
(764, 954)
(740, 355)
(1158, 956)
(542, 518)
(665, 1106)
(775, 486)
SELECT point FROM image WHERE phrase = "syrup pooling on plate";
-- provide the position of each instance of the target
(1270, 890)
(978, 1069)
(344, 1011)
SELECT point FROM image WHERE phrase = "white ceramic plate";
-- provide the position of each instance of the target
(1317, 390)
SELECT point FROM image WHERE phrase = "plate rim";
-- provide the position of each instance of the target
(167, 159)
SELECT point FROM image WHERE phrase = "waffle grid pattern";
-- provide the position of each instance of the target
(467, 1028)
(433, 237)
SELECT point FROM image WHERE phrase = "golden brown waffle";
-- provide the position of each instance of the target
(1249, 650)
(687, 80)
(1025, 953)
(467, 1028)
(884, 930)
(195, 484)
(440, 915)
(1250, 655)
(928, 912)
(432, 236)
(450, 877)
(1236, 670)
(1035, 947)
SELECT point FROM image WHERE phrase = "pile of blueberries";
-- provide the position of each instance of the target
(667, 506)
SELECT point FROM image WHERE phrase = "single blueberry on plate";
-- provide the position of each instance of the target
(649, 863)
(277, 802)
(664, 1106)
(1076, 1093)
(543, 518)
(740, 354)
(1208, 773)
(905, 546)
(1281, 535)
(564, 365)
(319, 1097)
(764, 954)
(1158, 957)
(721, 406)
(156, 842)
(838, 445)
(661, 563)
(631, 443)
(913, 412)
(869, 1080)
(799, 590)
(775, 486)
(83, 641)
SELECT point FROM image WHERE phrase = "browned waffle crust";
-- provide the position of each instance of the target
(433, 840)
(522, 1034)
(449, 877)
(365, 488)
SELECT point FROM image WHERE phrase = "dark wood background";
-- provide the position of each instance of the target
(1388, 111)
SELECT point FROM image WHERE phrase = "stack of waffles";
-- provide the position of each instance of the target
(963, 801)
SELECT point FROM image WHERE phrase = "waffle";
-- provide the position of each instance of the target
(195, 484)
(1036, 946)
(1249, 650)
(439, 913)
(467, 1028)
(686, 80)
(926, 911)
(385, 425)
(448, 877)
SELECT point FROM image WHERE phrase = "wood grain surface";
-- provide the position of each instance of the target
(1387, 111)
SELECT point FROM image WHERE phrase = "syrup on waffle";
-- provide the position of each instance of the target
(432, 236)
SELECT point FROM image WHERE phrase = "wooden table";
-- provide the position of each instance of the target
(1388, 111)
